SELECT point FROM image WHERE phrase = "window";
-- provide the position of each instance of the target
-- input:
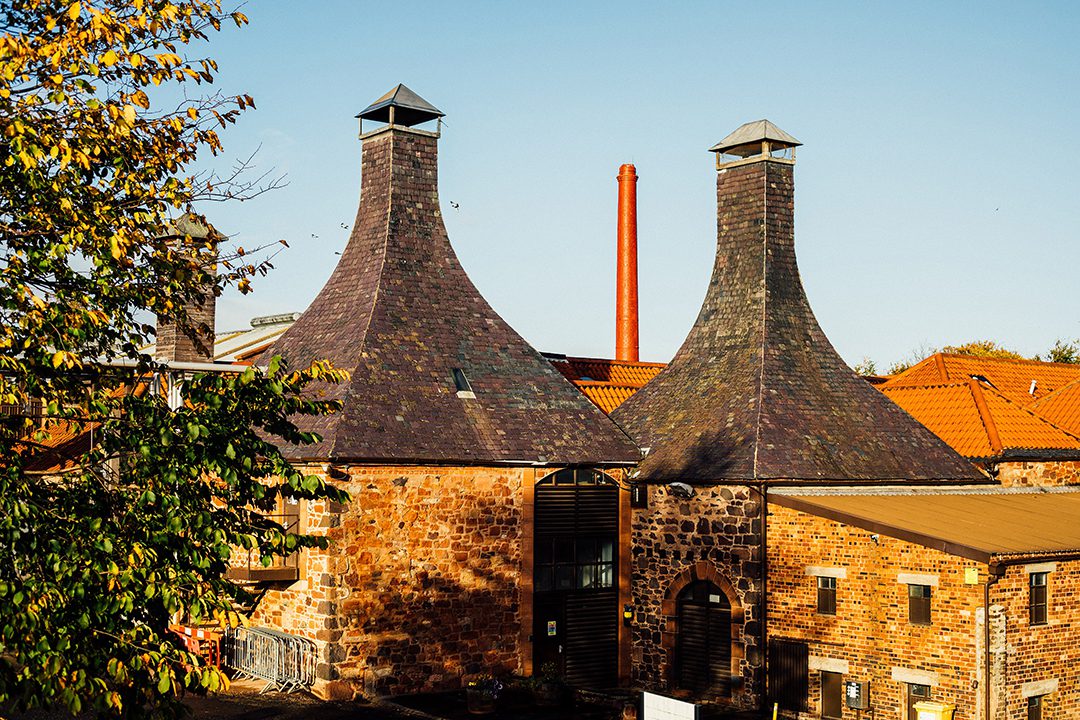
(462, 384)
(1035, 704)
(581, 563)
(1037, 597)
(916, 693)
(826, 595)
(919, 604)
(832, 695)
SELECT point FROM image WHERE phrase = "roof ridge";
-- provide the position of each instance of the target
(1029, 411)
(984, 414)
(1055, 392)
(885, 387)
(991, 358)
(764, 320)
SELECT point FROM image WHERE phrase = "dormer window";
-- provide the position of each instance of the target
(462, 385)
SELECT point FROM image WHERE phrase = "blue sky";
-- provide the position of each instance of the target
(937, 194)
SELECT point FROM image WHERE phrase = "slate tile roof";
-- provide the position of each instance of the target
(1012, 378)
(757, 392)
(982, 424)
(401, 315)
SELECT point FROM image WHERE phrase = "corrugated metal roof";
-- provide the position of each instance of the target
(977, 524)
(982, 424)
(1012, 378)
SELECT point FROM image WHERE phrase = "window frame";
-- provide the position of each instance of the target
(917, 603)
(1039, 609)
(826, 595)
(1035, 707)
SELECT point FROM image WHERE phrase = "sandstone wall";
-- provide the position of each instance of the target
(421, 584)
(1039, 473)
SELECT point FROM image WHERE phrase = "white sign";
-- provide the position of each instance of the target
(658, 707)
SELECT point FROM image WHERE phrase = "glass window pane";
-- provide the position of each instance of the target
(544, 552)
(564, 550)
(586, 550)
(543, 578)
(607, 553)
(586, 576)
(564, 577)
(607, 576)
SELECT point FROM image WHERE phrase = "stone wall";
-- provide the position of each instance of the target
(1039, 473)
(712, 535)
(870, 637)
(421, 584)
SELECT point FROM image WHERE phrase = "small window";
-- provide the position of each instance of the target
(1035, 704)
(832, 695)
(1037, 598)
(919, 604)
(461, 383)
(826, 595)
(916, 693)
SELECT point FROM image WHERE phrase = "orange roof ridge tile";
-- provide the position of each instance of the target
(984, 413)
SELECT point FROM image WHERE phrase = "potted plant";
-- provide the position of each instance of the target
(548, 688)
(481, 692)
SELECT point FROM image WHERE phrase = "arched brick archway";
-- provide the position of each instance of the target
(701, 570)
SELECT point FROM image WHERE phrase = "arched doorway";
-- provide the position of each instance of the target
(575, 576)
(702, 658)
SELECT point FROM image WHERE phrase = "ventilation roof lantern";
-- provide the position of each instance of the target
(401, 106)
(754, 138)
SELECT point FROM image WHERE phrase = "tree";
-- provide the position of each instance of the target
(1063, 352)
(866, 366)
(130, 520)
(983, 348)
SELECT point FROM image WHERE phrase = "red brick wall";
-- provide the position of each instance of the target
(1041, 473)
(871, 634)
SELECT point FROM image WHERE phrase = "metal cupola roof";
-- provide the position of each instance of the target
(401, 106)
(747, 139)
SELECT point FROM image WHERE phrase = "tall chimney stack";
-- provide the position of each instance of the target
(626, 295)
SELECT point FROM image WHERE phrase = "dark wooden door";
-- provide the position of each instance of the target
(789, 674)
(575, 602)
(703, 639)
(832, 695)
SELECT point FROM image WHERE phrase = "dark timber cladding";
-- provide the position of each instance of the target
(400, 314)
(757, 392)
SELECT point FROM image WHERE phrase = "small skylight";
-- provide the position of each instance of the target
(461, 383)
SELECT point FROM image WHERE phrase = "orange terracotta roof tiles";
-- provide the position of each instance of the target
(604, 370)
(1061, 407)
(606, 396)
(981, 424)
(1012, 378)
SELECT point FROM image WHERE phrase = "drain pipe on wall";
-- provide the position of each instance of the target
(994, 573)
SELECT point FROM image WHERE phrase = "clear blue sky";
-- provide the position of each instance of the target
(937, 192)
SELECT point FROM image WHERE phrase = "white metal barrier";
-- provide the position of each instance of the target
(285, 662)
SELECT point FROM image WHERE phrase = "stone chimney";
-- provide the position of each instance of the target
(195, 343)
(626, 281)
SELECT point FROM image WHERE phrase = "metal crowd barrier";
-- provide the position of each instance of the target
(285, 662)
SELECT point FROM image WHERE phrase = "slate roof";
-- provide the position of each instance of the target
(401, 315)
(982, 424)
(757, 392)
(1012, 378)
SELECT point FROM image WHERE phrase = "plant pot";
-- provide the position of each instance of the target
(480, 702)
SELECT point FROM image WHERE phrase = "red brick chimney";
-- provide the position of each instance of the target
(626, 294)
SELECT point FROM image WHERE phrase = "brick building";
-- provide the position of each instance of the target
(486, 522)
(890, 587)
(755, 398)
